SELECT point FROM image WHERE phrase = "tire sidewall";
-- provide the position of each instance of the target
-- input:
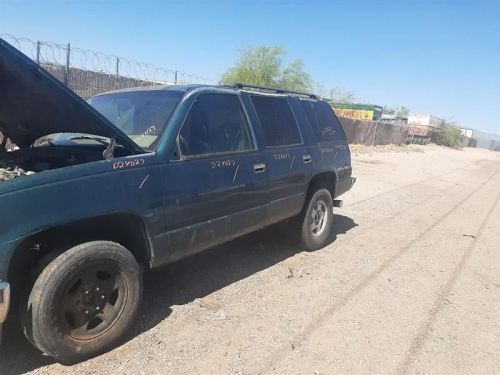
(309, 240)
(46, 329)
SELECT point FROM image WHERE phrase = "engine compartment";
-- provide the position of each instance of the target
(26, 162)
(11, 173)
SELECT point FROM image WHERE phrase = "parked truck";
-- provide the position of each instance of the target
(95, 193)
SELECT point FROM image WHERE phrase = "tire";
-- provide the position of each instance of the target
(83, 301)
(316, 220)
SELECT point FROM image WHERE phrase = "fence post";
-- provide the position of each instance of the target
(66, 75)
(175, 78)
(117, 72)
(38, 52)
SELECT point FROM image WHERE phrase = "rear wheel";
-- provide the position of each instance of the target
(83, 301)
(316, 220)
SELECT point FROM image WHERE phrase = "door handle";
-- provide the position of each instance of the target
(307, 158)
(259, 168)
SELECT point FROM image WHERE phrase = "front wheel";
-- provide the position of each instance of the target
(316, 220)
(83, 301)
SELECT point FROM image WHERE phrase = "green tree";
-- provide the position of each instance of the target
(448, 135)
(263, 66)
(341, 96)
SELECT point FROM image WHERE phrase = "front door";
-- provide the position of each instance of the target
(216, 190)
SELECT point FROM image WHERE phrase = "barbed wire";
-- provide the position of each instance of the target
(89, 72)
(27, 46)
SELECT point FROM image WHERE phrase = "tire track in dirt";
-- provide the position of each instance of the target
(354, 204)
(434, 193)
(300, 337)
(408, 203)
(425, 328)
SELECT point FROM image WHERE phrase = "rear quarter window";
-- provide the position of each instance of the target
(325, 124)
(278, 123)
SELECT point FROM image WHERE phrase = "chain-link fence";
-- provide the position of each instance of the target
(89, 73)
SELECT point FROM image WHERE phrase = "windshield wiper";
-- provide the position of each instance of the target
(102, 141)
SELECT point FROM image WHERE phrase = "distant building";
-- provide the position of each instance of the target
(391, 118)
(424, 119)
(369, 112)
(485, 140)
(421, 126)
(466, 132)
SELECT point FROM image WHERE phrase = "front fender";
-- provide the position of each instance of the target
(58, 197)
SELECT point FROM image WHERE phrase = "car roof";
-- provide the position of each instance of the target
(185, 88)
(181, 88)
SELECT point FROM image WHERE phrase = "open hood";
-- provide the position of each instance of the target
(33, 104)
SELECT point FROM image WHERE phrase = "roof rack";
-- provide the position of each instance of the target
(275, 90)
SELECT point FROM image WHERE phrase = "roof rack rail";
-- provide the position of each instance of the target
(275, 90)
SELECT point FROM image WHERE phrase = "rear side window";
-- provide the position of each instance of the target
(215, 124)
(277, 120)
(326, 125)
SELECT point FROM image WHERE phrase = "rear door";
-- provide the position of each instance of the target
(287, 157)
(216, 190)
(331, 139)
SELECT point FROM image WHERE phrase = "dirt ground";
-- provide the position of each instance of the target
(409, 284)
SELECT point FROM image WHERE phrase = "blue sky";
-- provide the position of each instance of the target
(438, 57)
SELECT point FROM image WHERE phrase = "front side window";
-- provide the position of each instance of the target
(277, 120)
(215, 124)
(141, 115)
(325, 124)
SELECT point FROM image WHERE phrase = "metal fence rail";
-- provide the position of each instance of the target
(88, 72)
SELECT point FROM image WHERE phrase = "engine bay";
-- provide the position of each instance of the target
(11, 173)
(26, 162)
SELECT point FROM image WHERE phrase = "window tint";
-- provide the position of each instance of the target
(215, 124)
(325, 124)
(276, 118)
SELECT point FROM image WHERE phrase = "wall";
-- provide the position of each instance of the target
(87, 83)
(486, 140)
(372, 133)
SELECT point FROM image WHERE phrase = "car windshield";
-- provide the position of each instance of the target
(141, 115)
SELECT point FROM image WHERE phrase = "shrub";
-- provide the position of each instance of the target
(447, 135)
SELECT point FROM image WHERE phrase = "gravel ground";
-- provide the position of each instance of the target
(409, 284)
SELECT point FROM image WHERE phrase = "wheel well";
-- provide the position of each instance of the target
(125, 229)
(325, 180)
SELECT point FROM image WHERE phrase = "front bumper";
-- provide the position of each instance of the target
(4, 300)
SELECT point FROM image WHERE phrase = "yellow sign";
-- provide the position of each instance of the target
(359, 114)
